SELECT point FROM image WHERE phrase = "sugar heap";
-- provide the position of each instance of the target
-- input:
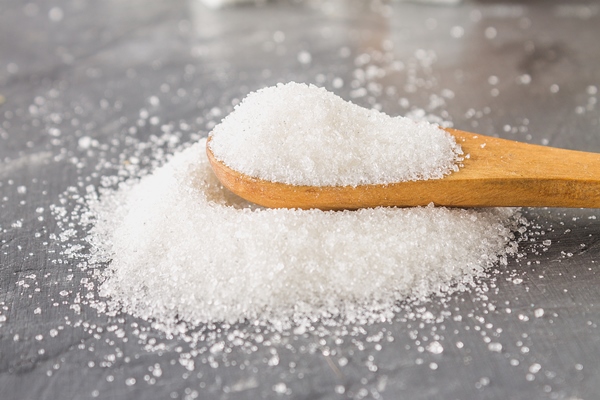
(304, 135)
(182, 246)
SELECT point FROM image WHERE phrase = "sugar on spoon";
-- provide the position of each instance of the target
(497, 173)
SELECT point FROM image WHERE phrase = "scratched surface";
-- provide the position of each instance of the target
(76, 75)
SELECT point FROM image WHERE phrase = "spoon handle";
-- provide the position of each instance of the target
(502, 172)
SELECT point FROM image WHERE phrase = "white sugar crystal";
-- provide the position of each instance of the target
(494, 346)
(304, 57)
(304, 135)
(280, 387)
(435, 347)
(84, 142)
(539, 313)
(535, 368)
(184, 247)
(55, 14)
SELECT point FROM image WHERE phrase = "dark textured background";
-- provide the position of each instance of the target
(78, 68)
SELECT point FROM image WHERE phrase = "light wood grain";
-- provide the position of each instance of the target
(497, 173)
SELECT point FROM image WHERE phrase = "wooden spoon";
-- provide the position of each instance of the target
(497, 173)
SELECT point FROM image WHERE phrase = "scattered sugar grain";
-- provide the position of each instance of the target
(55, 14)
(280, 388)
(491, 32)
(535, 368)
(435, 348)
(84, 142)
(304, 135)
(495, 347)
(539, 313)
(304, 57)
(457, 32)
(182, 248)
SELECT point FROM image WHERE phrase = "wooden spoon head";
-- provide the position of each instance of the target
(281, 195)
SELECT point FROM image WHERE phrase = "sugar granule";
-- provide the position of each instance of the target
(304, 135)
(183, 248)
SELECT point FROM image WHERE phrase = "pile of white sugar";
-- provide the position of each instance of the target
(304, 135)
(182, 248)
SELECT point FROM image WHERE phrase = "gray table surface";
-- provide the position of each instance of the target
(528, 71)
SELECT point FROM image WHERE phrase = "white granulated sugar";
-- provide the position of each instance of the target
(304, 135)
(182, 248)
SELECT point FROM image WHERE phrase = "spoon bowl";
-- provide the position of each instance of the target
(495, 173)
